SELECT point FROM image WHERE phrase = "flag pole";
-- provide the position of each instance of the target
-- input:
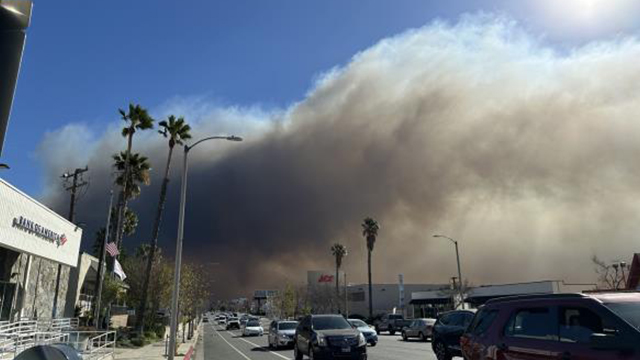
(102, 263)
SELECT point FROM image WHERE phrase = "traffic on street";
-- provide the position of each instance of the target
(217, 343)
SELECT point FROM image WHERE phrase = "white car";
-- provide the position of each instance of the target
(252, 328)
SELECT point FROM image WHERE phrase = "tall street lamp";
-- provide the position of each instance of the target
(183, 200)
(458, 260)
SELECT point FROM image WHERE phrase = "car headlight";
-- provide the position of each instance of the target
(321, 340)
(361, 340)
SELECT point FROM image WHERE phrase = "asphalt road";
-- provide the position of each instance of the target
(219, 344)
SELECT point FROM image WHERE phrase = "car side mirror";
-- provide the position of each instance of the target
(605, 342)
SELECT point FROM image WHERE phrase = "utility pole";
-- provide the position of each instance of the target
(76, 183)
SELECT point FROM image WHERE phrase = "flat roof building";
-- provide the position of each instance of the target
(34, 240)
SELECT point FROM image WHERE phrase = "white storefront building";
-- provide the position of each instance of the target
(34, 241)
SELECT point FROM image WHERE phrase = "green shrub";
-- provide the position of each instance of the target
(159, 329)
(137, 342)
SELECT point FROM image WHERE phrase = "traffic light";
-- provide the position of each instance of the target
(15, 16)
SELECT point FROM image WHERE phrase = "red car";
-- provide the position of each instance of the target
(599, 326)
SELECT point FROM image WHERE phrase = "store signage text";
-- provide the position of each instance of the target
(325, 279)
(38, 230)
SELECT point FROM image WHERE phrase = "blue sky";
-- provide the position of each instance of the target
(85, 59)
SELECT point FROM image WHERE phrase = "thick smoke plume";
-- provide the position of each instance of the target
(527, 156)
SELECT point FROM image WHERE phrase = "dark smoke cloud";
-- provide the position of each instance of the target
(476, 130)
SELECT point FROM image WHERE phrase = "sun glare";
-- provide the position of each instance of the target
(587, 16)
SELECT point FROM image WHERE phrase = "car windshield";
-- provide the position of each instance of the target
(287, 325)
(629, 311)
(253, 323)
(358, 323)
(330, 323)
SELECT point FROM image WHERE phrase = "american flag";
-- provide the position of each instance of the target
(112, 249)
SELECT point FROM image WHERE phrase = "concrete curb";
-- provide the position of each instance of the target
(196, 336)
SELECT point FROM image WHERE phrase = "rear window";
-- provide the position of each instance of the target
(482, 321)
(287, 325)
(629, 311)
(330, 323)
(532, 323)
(251, 323)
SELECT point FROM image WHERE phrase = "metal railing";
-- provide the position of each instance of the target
(93, 345)
(20, 335)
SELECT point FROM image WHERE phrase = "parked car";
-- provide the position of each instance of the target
(419, 328)
(328, 337)
(369, 334)
(447, 330)
(281, 333)
(390, 323)
(603, 326)
(252, 328)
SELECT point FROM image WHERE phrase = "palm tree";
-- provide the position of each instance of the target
(339, 251)
(176, 130)
(137, 119)
(139, 173)
(370, 229)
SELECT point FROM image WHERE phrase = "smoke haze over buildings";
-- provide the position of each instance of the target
(479, 130)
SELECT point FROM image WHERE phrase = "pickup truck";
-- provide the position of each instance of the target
(391, 323)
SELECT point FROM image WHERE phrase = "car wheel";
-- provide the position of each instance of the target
(404, 336)
(374, 343)
(296, 352)
(442, 353)
(422, 337)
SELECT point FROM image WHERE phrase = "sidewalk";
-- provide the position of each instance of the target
(157, 350)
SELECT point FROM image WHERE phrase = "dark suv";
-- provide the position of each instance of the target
(447, 330)
(598, 326)
(328, 337)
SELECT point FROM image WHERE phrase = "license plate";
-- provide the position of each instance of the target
(346, 349)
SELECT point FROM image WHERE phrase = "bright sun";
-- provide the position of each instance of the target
(588, 16)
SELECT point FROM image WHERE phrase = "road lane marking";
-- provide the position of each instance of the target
(233, 347)
(265, 349)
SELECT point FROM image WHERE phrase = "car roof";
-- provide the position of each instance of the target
(470, 311)
(617, 296)
(326, 316)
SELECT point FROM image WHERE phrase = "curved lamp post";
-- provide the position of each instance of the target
(176, 277)
(458, 260)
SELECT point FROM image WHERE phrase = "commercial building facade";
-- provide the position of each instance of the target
(34, 240)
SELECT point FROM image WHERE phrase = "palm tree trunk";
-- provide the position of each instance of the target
(370, 287)
(122, 201)
(337, 288)
(154, 244)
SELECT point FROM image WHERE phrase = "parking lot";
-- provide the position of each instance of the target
(219, 344)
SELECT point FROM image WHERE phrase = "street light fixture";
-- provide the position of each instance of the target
(4, 166)
(178, 264)
(459, 272)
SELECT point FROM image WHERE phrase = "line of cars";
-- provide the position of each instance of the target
(599, 326)
(249, 325)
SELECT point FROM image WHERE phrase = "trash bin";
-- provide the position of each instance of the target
(50, 352)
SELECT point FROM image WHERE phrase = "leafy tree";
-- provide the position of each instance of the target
(176, 131)
(370, 228)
